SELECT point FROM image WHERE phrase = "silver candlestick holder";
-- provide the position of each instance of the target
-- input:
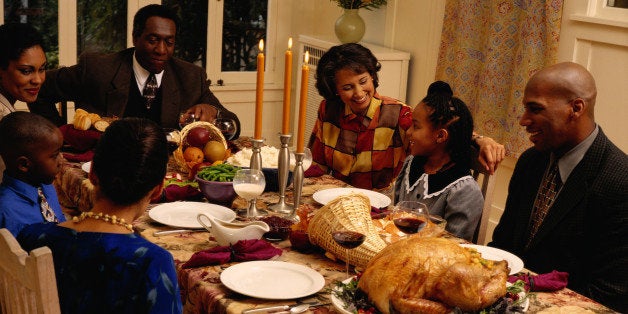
(297, 184)
(283, 171)
(256, 164)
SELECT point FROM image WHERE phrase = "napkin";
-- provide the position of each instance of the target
(241, 251)
(552, 281)
(79, 140)
(378, 213)
(79, 157)
(313, 171)
(175, 192)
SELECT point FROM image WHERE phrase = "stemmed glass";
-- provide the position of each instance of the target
(186, 118)
(227, 127)
(173, 136)
(410, 216)
(249, 184)
(349, 234)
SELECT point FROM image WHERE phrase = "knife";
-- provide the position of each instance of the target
(280, 308)
(165, 232)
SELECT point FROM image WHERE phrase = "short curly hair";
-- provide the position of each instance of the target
(15, 38)
(143, 14)
(355, 57)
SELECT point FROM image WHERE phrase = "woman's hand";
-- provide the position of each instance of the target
(491, 153)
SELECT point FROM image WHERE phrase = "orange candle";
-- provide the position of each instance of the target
(287, 84)
(259, 92)
(305, 74)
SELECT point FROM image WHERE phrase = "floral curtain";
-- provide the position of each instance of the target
(488, 51)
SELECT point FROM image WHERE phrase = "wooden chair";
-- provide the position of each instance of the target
(27, 281)
(487, 185)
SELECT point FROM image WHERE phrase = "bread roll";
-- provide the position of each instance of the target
(82, 122)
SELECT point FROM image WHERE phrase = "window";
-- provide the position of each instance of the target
(43, 15)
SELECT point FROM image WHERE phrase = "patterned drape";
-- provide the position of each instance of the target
(488, 51)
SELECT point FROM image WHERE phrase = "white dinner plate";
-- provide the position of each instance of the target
(377, 199)
(183, 214)
(86, 166)
(495, 254)
(272, 280)
(340, 306)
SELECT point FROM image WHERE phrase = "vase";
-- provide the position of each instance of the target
(349, 27)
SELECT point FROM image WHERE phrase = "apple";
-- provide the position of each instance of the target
(197, 137)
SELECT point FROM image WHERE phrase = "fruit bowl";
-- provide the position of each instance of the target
(216, 192)
(214, 135)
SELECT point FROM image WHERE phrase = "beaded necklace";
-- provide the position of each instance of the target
(106, 218)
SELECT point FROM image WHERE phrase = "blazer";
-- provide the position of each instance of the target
(102, 83)
(585, 231)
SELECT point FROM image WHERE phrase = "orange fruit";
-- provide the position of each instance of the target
(193, 154)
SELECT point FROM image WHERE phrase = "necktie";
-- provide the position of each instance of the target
(150, 90)
(46, 211)
(545, 198)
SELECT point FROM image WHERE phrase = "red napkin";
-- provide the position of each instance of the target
(78, 139)
(377, 213)
(80, 157)
(175, 192)
(313, 171)
(553, 281)
(241, 251)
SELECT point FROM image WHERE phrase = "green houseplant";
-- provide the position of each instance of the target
(360, 4)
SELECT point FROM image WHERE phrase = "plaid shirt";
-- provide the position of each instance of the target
(365, 151)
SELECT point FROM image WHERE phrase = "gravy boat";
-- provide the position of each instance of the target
(227, 233)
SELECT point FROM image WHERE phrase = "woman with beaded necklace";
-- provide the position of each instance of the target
(101, 264)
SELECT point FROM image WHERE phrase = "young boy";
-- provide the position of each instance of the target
(30, 146)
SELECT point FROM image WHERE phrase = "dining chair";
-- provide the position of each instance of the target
(487, 185)
(27, 281)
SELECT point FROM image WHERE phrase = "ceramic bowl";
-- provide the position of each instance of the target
(217, 192)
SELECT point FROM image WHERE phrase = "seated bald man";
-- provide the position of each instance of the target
(573, 216)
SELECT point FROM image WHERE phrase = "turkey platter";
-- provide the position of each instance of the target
(432, 275)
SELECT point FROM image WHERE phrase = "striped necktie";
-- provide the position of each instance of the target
(150, 90)
(545, 198)
(46, 210)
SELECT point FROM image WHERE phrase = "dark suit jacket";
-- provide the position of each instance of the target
(101, 84)
(585, 231)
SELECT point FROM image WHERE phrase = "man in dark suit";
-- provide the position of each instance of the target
(116, 84)
(584, 229)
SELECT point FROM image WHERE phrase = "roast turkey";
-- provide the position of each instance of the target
(432, 275)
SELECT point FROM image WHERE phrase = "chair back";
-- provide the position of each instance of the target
(27, 281)
(487, 185)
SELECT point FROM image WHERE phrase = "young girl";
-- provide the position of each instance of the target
(437, 172)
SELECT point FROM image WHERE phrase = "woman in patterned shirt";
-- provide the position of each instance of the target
(359, 135)
(101, 264)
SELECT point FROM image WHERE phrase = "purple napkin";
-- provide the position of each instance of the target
(552, 281)
(241, 251)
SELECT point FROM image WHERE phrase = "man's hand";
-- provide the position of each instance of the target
(204, 112)
(491, 153)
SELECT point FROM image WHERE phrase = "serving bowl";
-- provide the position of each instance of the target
(217, 192)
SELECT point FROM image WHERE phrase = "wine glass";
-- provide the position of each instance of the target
(227, 127)
(410, 216)
(173, 136)
(349, 234)
(249, 184)
(186, 118)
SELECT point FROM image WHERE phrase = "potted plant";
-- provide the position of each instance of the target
(349, 27)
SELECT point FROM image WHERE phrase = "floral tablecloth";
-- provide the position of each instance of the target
(201, 289)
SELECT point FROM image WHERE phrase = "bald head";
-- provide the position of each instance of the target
(567, 80)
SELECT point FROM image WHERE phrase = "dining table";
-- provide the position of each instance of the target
(202, 290)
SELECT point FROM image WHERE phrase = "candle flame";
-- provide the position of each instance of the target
(289, 43)
(261, 45)
(307, 57)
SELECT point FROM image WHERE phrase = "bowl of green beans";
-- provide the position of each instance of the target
(215, 182)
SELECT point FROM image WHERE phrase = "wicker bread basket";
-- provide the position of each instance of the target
(344, 208)
(214, 135)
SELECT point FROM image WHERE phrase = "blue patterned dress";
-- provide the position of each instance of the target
(107, 272)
